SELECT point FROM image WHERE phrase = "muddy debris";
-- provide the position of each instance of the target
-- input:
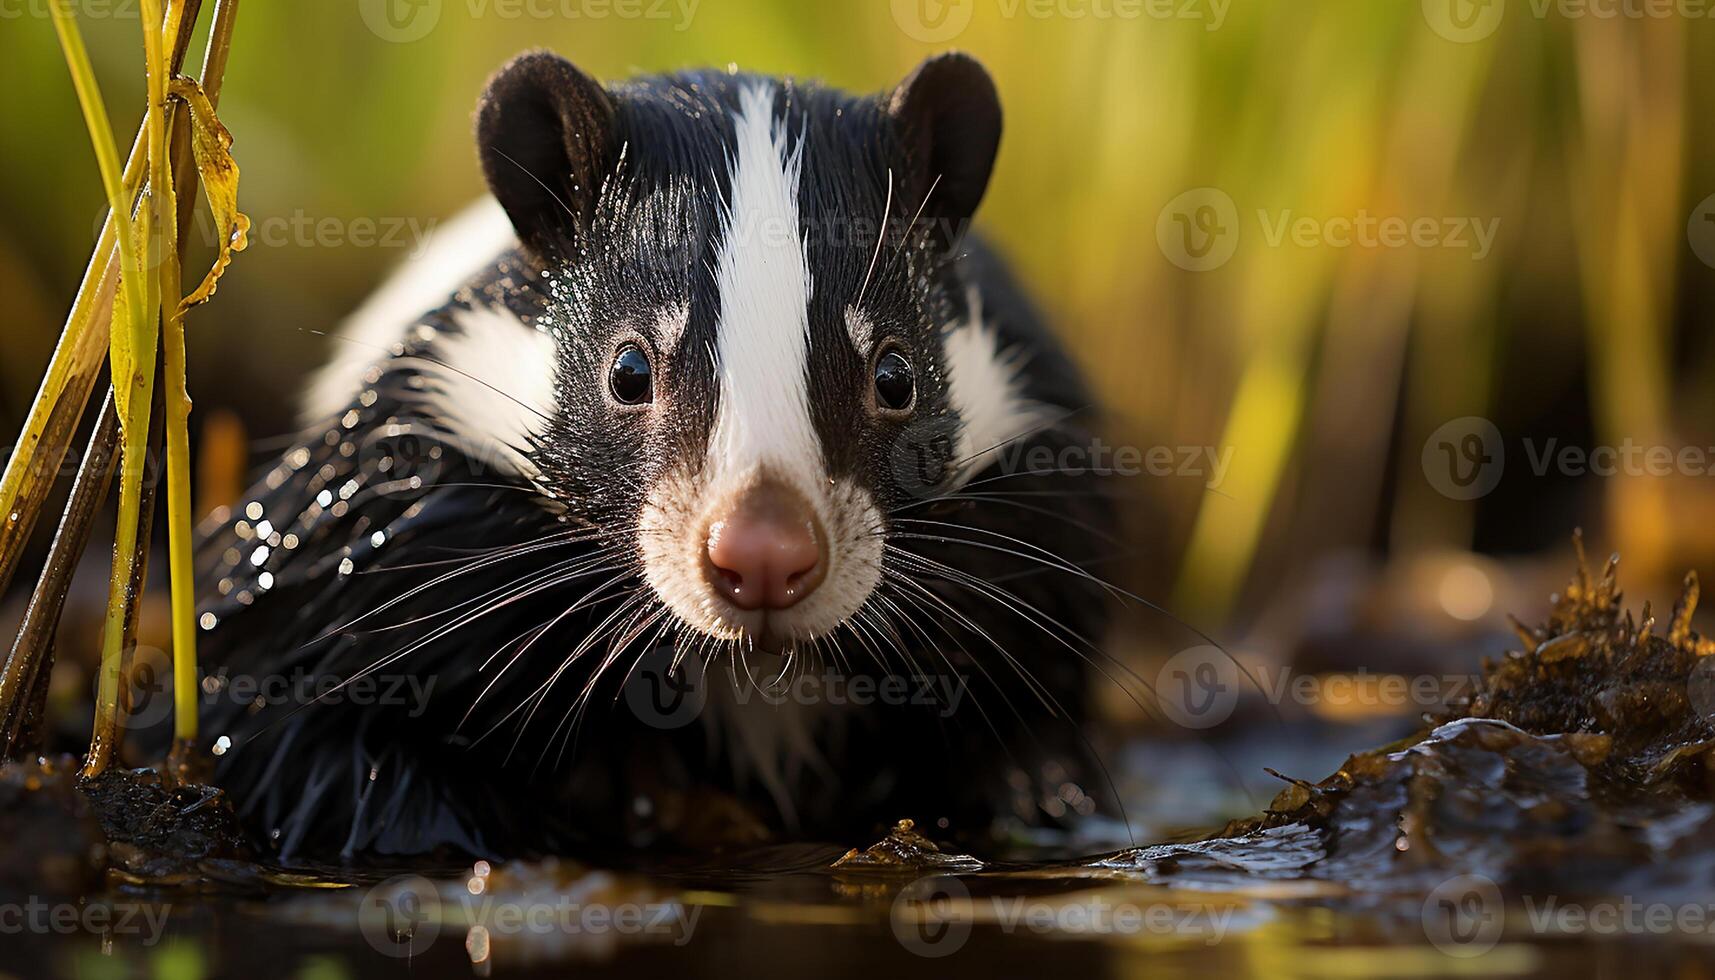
(161, 831)
(136, 825)
(1581, 759)
(905, 848)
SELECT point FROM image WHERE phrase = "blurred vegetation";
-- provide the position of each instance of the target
(1322, 369)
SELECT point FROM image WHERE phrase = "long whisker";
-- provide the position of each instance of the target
(1061, 565)
(441, 580)
(587, 601)
(880, 238)
(427, 359)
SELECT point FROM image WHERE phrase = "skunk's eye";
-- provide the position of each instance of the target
(895, 385)
(631, 379)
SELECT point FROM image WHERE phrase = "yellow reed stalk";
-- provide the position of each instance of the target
(132, 351)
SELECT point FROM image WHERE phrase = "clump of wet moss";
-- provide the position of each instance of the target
(1594, 668)
(160, 829)
(1588, 748)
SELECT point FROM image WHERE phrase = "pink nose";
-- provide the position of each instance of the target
(767, 552)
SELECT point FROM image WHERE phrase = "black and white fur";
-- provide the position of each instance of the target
(762, 240)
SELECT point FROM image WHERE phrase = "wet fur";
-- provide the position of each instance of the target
(526, 771)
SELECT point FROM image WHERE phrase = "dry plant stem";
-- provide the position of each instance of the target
(82, 352)
(112, 737)
(76, 362)
(109, 733)
(32, 657)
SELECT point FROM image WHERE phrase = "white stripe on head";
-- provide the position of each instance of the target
(492, 386)
(986, 386)
(762, 422)
(454, 252)
(763, 336)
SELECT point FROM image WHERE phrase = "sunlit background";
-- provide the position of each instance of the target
(1384, 261)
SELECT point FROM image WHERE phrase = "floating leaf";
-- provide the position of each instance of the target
(212, 145)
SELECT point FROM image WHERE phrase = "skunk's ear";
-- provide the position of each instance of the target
(545, 133)
(949, 120)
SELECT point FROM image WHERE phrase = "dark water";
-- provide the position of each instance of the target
(773, 921)
(1480, 850)
(1562, 825)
